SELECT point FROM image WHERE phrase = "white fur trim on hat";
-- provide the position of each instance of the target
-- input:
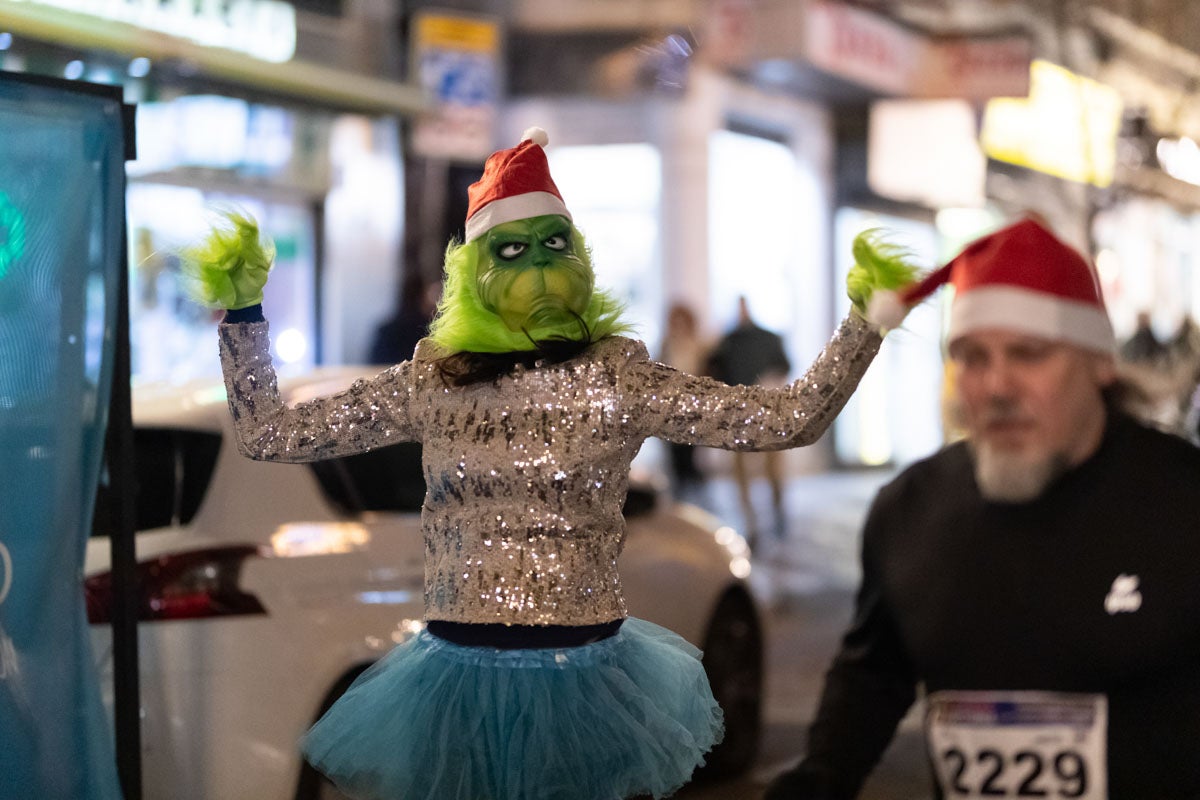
(510, 209)
(1032, 312)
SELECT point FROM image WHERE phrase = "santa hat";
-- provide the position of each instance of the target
(516, 184)
(1020, 278)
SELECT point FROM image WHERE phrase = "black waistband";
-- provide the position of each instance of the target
(521, 637)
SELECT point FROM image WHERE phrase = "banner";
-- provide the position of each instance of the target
(61, 218)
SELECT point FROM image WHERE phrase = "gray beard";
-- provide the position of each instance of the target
(1010, 478)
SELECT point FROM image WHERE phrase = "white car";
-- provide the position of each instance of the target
(266, 588)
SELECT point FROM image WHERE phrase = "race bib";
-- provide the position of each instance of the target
(1019, 744)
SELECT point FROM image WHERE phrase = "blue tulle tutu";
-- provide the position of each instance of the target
(629, 715)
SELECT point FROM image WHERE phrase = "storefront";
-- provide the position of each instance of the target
(257, 106)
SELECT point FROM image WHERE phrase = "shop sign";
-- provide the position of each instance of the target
(1066, 127)
(975, 68)
(861, 46)
(879, 53)
(264, 29)
(457, 61)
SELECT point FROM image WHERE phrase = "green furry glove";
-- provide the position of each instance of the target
(229, 268)
(879, 267)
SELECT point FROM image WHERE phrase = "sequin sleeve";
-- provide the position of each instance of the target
(695, 410)
(370, 413)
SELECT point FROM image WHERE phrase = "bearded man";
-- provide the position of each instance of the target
(1036, 580)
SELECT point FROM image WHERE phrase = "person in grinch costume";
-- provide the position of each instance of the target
(530, 680)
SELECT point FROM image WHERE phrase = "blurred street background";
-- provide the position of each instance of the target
(712, 151)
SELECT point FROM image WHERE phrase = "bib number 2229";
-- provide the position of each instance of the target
(1025, 773)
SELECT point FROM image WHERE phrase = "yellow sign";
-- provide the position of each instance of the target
(1067, 127)
(457, 33)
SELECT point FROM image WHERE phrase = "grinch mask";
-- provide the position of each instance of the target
(532, 275)
(501, 303)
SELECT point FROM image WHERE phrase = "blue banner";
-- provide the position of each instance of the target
(61, 218)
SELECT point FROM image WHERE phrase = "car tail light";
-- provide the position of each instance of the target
(197, 584)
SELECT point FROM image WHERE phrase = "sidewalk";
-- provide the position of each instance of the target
(805, 581)
(818, 548)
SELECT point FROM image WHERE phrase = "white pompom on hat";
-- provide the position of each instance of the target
(886, 309)
(516, 184)
(1020, 278)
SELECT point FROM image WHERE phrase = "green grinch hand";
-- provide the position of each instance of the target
(229, 268)
(881, 268)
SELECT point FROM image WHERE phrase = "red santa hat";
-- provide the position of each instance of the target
(1020, 278)
(516, 184)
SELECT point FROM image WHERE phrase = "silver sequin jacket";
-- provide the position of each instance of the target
(526, 476)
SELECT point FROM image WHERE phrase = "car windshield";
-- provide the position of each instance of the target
(392, 479)
(386, 479)
(172, 470)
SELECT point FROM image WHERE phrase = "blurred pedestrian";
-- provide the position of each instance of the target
(685, 349)
(1184, 359)
(396, 339)
(1036, 580)
(747, 355)
(1143, 346)
(1184, 346)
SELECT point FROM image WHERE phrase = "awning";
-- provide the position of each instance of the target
(314, 83)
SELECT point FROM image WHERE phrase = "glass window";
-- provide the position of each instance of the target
(613, 193)
(172, 338)
(172, 472)
(752, 229)
(895, 416)
(387, 479)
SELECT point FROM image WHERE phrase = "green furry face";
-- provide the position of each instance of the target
(464, 325)
(533, 275)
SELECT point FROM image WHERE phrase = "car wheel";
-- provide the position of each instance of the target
(733, 660)
(312, 784)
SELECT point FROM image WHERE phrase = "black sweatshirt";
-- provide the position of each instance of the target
(960, 593)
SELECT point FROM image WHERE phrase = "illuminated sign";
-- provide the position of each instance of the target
(1067, 127)
(1179, 158)
(264, 29)
(926, 151)
(875, 51)
(12, 234)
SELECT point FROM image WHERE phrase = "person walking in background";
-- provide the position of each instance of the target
(687, 351)
(396, 339)
(747, 355)
(1037, 579)
(1143, 347)
(1184, 357)
(1164, 374)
